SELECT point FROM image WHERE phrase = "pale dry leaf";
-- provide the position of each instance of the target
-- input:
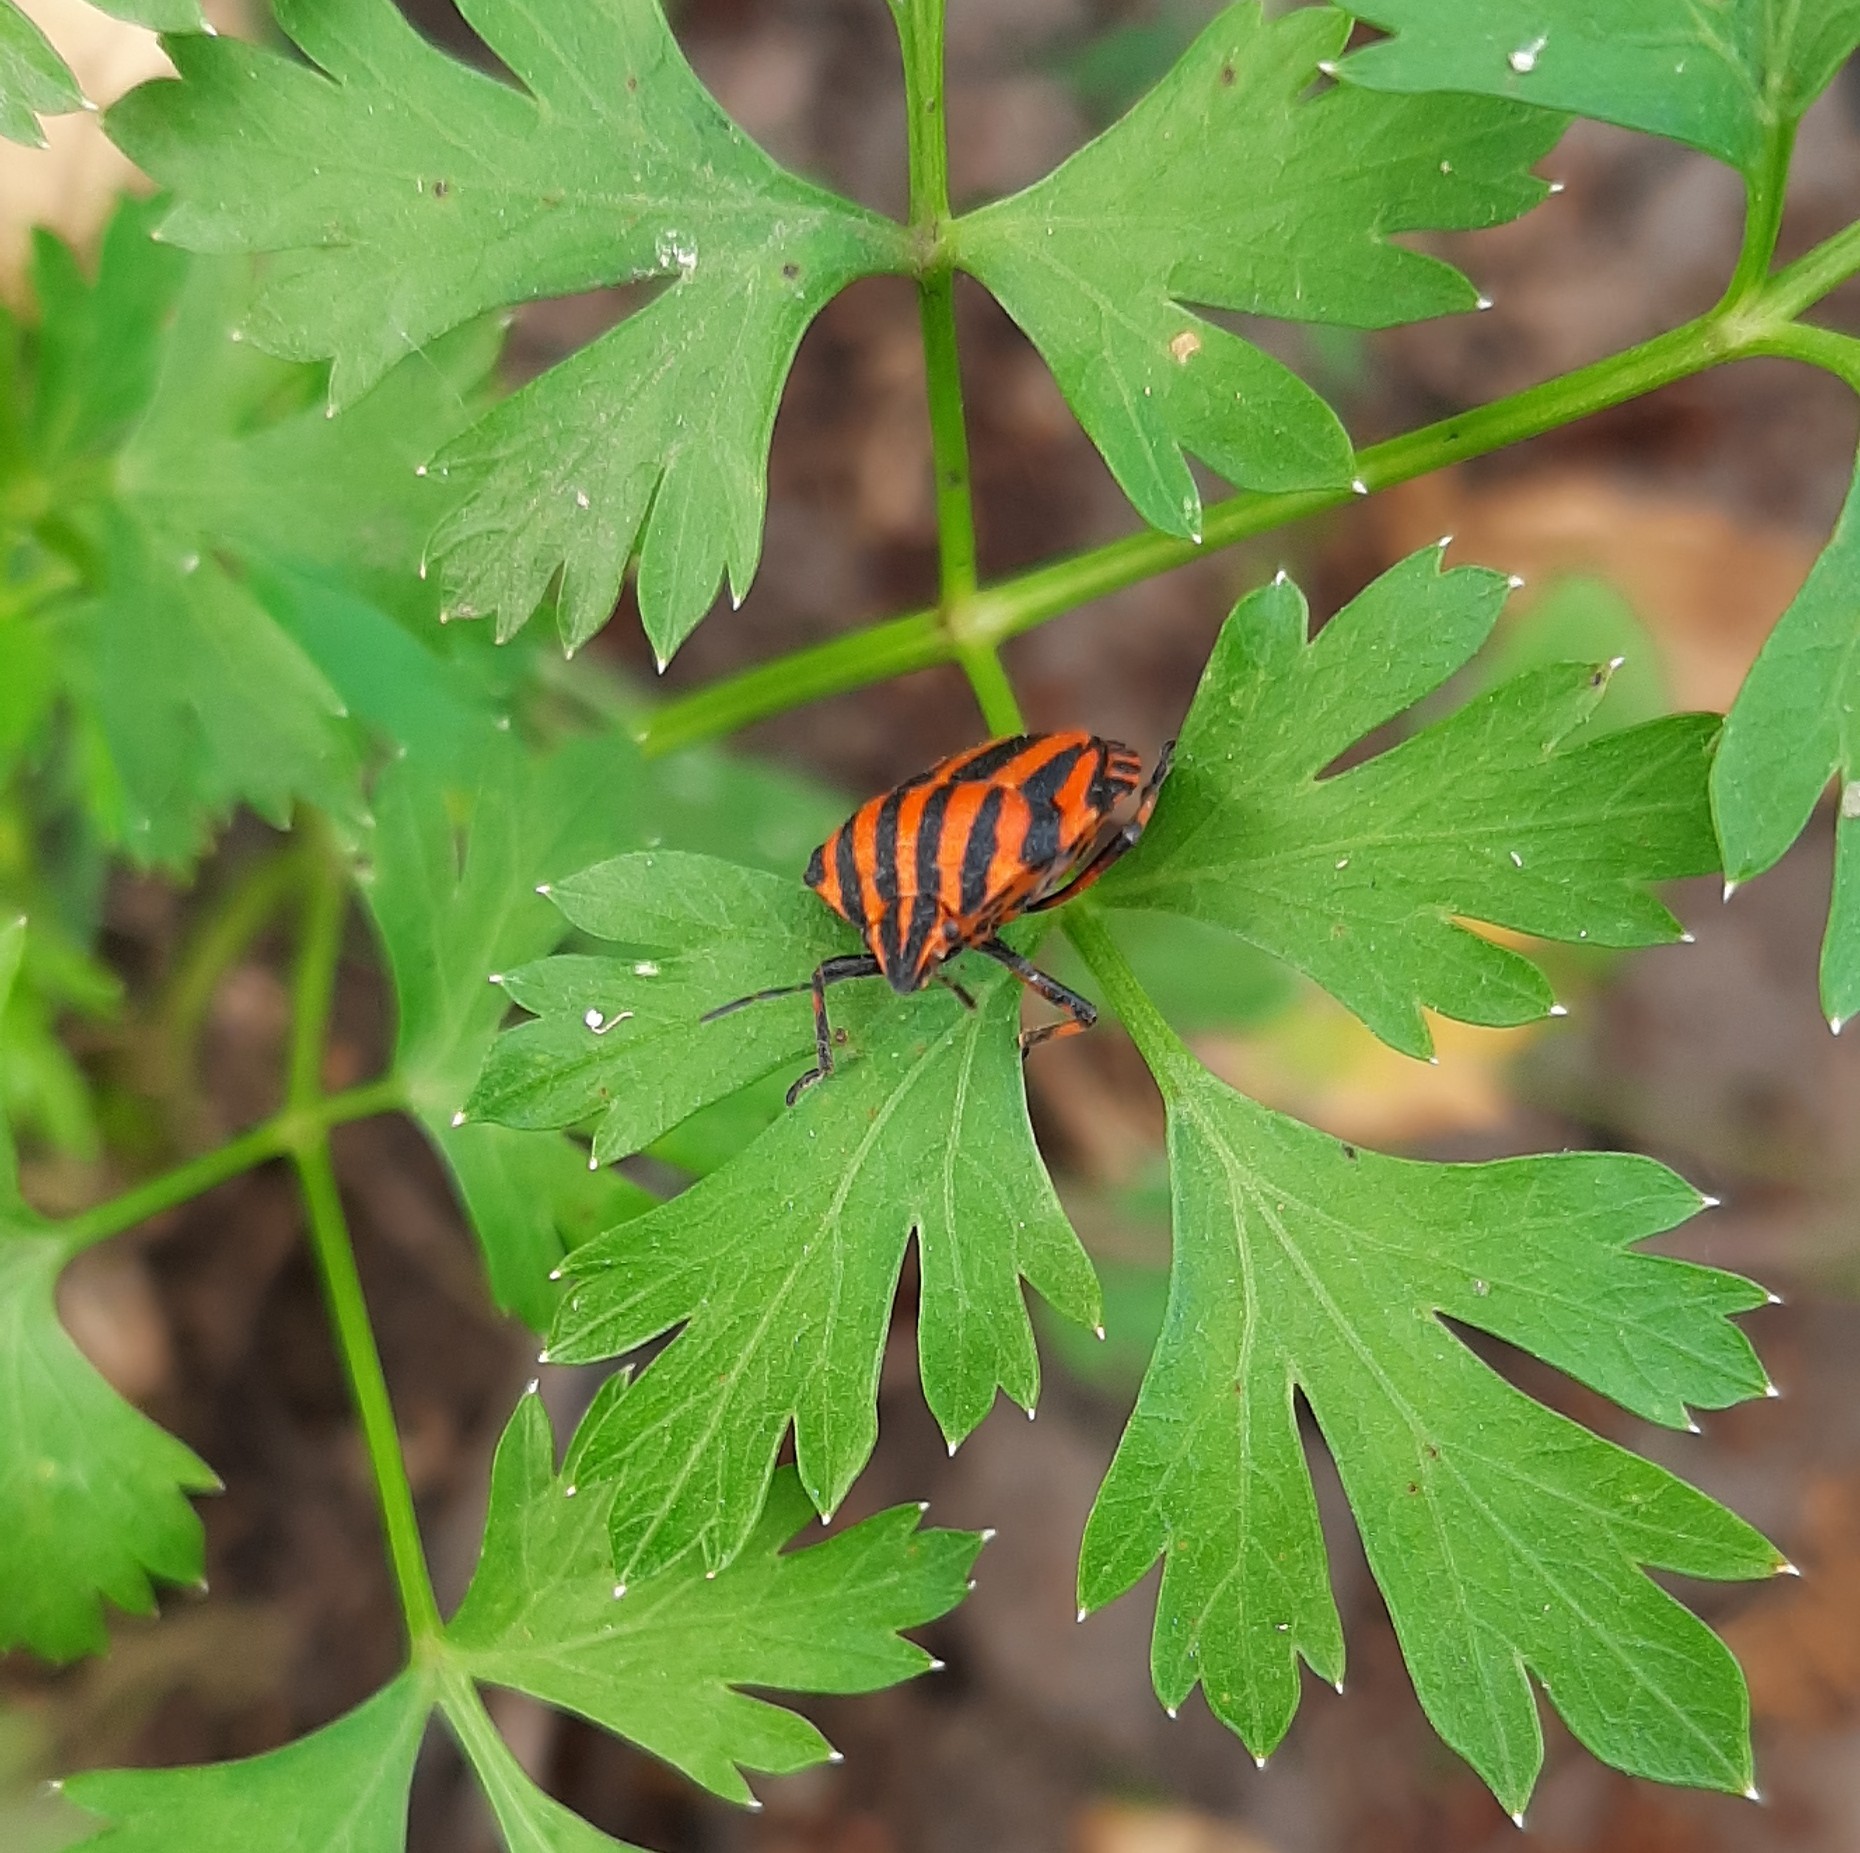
(1708, 584)
(1321, 1064)
(1136, 1827)
(71, 183)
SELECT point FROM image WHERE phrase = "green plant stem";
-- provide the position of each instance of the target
(920, 40)
(920, 37)
(1834, 353)
(313, 995)
(996, 613)
(313, 990)
(994, 693)
(342, 1289)
(219, 938)
(1738, 327)
(1799, 286)
(217, 942)
(277, 1137)
(1163, 1051)
(949, 442)
(1764, 189)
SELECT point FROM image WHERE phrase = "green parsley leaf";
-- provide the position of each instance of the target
(34, 80)
(663, 1664)
(1361, 880)
(1231, 186)
(781, 1266)
(94, 1493)
(453, 907)
(168, 464)
(1507, 1541)
(404, 192)
(342, 1789)
(157, 15)
(44, 1092)
(621, 1040)
(1791, 726)
(1717, 77)
(204, 703)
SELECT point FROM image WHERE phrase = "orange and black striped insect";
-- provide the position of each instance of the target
(940, 864)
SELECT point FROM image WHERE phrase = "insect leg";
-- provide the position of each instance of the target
(828, 971)
(1117, 844)
(962, 991)
(1081, 1013)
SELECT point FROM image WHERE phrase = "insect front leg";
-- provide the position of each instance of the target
(1081, 1013)
(829, 971)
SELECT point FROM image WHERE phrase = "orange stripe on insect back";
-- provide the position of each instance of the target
(965, 804)
(1007, 866)
(863, 825)
(910, 830)
(1078, 816)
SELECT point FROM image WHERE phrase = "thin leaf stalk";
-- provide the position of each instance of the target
(1163, 1051)
(1825, 348)
(219, 939)
(313, 996)
(1764, 189)
(994, 693)
(277, 1137)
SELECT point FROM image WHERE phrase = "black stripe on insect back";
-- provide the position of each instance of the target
(1114, 777)
(985, 765)
(925, 910)
(978, 853)
(885, 843)
(1041, 845)
(846, 866)
(915, 933)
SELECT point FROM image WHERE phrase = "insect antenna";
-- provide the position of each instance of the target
(756, 997)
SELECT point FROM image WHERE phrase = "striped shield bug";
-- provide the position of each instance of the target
(941, 863)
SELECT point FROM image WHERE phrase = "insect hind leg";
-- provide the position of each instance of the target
(1081, 1013)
